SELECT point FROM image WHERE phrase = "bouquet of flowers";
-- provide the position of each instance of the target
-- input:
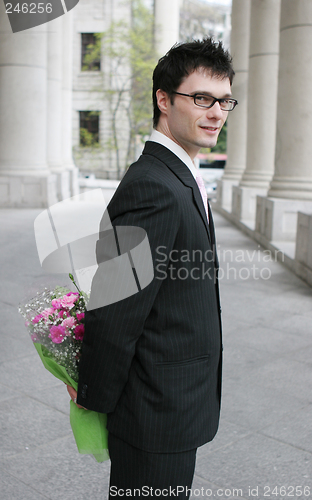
(55, 320)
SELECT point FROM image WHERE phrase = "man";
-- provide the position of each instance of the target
(152, 361)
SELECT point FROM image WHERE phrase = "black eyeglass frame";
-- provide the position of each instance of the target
(194, 96)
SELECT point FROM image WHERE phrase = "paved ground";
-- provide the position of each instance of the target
(264, 445)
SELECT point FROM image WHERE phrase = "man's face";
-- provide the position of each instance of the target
(187, 124)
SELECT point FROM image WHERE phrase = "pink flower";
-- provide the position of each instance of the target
(56, 303)
(57, 334)
(63, 314)
(69, 300)
(36, 319)
(48, 312)
(80, 316)
(79, 332)
(69, 322)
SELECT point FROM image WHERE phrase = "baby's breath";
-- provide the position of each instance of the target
(50, 325)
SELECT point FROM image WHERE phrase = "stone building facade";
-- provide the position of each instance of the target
(48, 95)
(96, 90)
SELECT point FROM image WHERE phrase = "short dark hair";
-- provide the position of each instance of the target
(183, 59)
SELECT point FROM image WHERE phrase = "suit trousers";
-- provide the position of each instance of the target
(145, 474)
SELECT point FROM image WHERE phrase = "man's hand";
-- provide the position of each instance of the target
(73, 395)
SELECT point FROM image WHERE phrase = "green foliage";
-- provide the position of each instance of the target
(143, 59)
(205, 151)
(132, 46)
(220, 147)
(130, 57)
(89, 136)
(93, 54)
(87, 139)
(197, 18)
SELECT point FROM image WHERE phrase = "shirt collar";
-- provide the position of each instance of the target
(174, 148)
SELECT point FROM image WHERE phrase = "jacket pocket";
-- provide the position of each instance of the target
(182, 362)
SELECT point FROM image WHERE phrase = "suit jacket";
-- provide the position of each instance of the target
(152, 361)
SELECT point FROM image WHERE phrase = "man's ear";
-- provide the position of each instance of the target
(162, 101)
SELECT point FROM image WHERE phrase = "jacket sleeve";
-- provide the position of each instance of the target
(111, 332)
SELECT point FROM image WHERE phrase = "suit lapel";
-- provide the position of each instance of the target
(213, 238)
(182, 172)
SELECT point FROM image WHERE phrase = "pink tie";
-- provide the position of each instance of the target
(203, 192)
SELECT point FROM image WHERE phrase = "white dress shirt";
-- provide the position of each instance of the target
(176, 149)
(182, 154)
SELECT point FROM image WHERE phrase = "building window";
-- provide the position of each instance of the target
(89, 128)
(90, 52)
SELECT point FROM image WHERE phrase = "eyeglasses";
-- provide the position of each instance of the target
(207, 101)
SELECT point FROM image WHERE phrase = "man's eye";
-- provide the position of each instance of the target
(204, 99)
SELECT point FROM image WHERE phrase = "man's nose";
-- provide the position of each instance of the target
(215, 111)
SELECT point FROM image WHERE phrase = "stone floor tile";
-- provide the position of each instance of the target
(258, 461)
(26, 374)
(290, 377)
(55, 397)
(26, 424)
(294, 429)
(269, 340)
(303, 355)
(12, 488)
(59, 472)
(247, 403)
(8, 393)
(17, 346)
(226, 435)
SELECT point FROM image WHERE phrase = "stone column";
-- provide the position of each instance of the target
(303, 255)
(237, 121)
(67, 102)
(293, 172)
(25, 179)
(291, 186)
(262, 99)
(166, 24)
(54, 107)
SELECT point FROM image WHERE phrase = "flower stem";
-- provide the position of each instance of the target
(73, 280)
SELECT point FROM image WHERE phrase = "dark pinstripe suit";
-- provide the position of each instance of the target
(153, 361)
